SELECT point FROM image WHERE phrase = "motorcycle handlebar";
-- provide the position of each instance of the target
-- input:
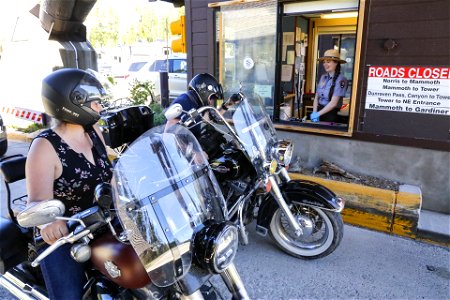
(70, 238)
(203, 109)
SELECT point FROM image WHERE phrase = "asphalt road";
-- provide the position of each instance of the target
(367, 265)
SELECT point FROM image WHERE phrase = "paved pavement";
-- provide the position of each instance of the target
(367, 265)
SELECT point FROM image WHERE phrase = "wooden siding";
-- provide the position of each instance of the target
(200, 40)
(421, 28)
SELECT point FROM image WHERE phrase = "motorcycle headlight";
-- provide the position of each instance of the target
(215, 246)
(284, 151)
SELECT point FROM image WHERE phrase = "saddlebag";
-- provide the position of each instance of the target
(124, 125)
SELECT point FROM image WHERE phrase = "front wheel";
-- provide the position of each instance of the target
(322, 231)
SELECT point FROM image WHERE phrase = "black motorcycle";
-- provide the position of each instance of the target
(157, 231)
(302, 217)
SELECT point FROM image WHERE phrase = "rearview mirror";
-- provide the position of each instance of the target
(173, 111)
(41, 213)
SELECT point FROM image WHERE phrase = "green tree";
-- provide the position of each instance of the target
(106, 28)
(106, 23)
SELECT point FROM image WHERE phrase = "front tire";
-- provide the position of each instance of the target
(322, 231)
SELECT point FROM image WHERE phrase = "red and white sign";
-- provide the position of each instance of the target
(23, 113)
(423, 90)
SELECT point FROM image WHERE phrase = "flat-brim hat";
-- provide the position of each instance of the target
(332, 55)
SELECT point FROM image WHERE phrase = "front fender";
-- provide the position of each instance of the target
(304, 192)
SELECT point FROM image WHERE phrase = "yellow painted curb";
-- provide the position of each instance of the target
(374, 208)
(407, 211)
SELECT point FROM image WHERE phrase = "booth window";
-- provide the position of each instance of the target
(269, 49)
(246, 39)
(309, 28)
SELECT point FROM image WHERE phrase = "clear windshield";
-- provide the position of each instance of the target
(256, 131)
(164, 192)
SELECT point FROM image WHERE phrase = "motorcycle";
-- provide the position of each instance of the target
(302, 217)
(157, 231)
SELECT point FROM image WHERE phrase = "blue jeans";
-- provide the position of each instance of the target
(64, 277)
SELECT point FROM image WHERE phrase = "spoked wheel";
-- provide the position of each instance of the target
(322, 231)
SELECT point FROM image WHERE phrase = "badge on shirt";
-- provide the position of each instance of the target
(342, 83)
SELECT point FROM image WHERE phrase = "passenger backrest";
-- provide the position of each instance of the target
(12, 169)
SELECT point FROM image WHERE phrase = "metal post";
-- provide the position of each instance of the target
(164, 84)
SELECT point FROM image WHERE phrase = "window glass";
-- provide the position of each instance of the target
(179, 66)
(248, 49)
(159, 65)
(136, 66)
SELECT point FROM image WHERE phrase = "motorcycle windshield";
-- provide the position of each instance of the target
(164, 191)
(256, 131)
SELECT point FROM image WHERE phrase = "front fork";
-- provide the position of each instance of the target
(234, 283)
(276, 193)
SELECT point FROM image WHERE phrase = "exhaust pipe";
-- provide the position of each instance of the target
(20, 288)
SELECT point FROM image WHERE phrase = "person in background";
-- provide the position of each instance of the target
(204, 90)
(66, 162)
(330, 89)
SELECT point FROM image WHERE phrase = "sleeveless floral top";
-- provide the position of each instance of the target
(75, 187)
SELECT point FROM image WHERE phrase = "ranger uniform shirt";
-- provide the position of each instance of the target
(324, 86)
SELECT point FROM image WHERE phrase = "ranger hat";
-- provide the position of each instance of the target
(332, 54)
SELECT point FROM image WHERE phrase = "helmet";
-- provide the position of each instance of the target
(205, 85)
(67, 93)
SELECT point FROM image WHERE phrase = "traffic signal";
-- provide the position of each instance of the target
(178, 28)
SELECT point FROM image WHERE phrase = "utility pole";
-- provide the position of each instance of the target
(164, 75)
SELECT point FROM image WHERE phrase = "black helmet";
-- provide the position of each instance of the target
(67, 93)
(206, 85)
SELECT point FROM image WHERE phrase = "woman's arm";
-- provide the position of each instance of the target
(41, 169)
(315, 103)
(330, 106)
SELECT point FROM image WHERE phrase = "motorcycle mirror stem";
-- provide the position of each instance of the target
(40, 213)
(103, 195)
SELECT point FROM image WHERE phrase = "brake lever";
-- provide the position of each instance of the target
(70, 238)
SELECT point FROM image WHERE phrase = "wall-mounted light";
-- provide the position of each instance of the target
(390, 44)
(340, 15)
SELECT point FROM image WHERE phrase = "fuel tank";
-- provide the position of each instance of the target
(231, 166)
(118, 262)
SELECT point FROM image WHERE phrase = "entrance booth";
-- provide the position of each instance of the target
(275, 58)
(394, 118)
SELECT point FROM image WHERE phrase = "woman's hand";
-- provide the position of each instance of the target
(315, 117)
(51, 232)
